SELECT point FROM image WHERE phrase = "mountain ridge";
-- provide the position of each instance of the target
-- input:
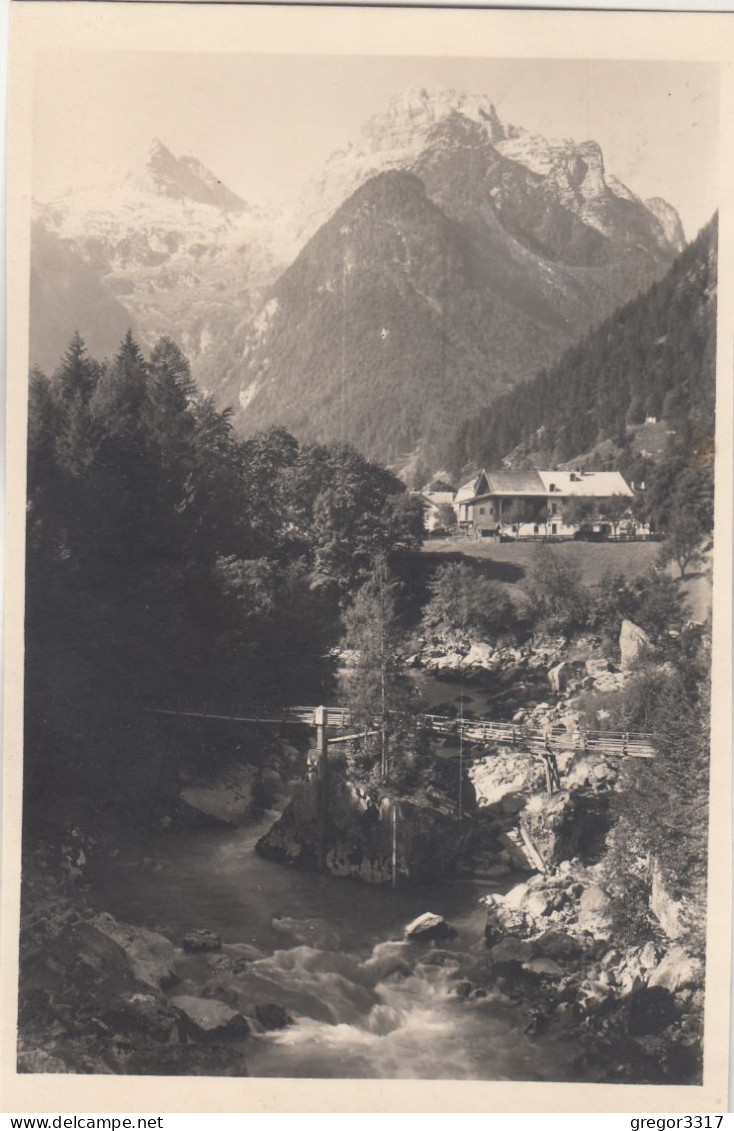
(433, 311)
(530, 243)
(652, 360)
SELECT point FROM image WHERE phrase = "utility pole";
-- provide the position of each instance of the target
(394, 843)
(322, 749)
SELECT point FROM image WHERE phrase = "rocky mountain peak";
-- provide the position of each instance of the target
(411, 114)
(180, 178)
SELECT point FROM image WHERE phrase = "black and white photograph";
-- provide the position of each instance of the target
(369, 544)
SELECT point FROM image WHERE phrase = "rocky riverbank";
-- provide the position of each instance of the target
(100, 995)
(553, 945)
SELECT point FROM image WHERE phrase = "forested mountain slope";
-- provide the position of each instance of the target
(441, 257)
(402, 314)
(654, 357)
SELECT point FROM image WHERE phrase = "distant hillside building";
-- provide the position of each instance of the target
(526, 504)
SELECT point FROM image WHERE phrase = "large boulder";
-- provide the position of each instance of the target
(593, 911)
(677, 971)
(667, 910)
(150, 955)
(511, 949)
(359, 844)
(201, 940)
(545, 967)
(497, 778)
(564, 825)
(225, 796)
(427, 927)
(633, 643)
(481, 656)
(273, 1016)
(148, 1016)
(558, 677)
(208, 1020)
(556, 945)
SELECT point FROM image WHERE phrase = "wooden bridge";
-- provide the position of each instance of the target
(546, 742)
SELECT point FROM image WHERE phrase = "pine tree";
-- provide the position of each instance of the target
(77, 375)
(378, 691)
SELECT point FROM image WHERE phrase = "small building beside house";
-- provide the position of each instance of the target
(537, 504)
(433, 502)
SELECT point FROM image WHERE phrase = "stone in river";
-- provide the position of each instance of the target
(273, 1016)
(546, 967)
(201, 939)
(149, 955)
(429, 926)
(210, 1020)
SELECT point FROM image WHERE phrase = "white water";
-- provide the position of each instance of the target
(365, 1004)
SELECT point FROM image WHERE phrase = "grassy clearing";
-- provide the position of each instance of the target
(594, 558)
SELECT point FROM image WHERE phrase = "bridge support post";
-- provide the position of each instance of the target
(552, 776)
(322, 747)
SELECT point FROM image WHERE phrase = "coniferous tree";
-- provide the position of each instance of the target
(378, 691)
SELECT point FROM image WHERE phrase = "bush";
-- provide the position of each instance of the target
(559, 601)
(662, 806)
(654, 602)
(466, 605)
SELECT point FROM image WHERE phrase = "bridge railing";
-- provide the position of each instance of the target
(632, 744)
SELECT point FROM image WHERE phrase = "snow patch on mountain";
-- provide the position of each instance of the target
(185, 255)
(419, 121)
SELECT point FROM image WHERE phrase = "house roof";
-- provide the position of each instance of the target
(469, 490)
(593, 484)
(514, 483)
(438, 498)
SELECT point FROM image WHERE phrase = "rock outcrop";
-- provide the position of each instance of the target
(200, 940)
(92, 1001)
(633, 644)
(355, 836)
(428, 927)
(668, 911)
(206, 1019)
(150, 956)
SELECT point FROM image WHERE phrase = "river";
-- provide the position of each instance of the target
(365, 1004)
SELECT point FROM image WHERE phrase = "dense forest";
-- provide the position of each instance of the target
(654, 357)
(167, 558)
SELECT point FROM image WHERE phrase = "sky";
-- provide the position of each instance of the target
(266, 124)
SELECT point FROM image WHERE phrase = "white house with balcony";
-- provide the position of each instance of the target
(538, 504)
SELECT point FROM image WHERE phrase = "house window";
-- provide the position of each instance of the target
(481, 510)
(491, 509)
(554, 508)
(554, 528)
(536, 529)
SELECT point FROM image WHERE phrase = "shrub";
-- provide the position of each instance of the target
(465, 604)
(558, 599)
